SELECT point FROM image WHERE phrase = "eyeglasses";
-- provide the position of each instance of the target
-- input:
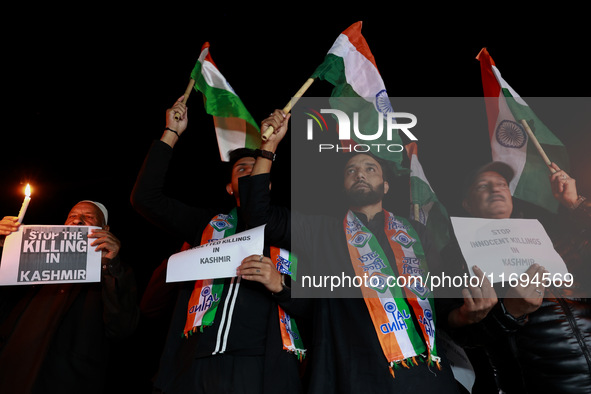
(488, 186)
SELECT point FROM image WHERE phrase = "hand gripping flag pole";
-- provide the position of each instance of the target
(190, 86)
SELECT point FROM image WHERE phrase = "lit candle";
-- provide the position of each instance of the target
(21, 213)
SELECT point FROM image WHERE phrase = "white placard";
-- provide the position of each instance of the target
(458, 360)
(506, 247)
(50, 254)
(216, 259)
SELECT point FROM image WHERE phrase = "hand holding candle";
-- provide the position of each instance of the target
(8, 225)
(21, 213)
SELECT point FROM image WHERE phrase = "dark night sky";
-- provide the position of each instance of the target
(85, 94)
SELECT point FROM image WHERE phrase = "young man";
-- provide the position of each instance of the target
(56, 337)
(379, 339)
(241, 349)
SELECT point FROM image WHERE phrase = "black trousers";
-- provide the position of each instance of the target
(223, 374)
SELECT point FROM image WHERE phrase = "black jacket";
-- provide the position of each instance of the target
(549, 351)
(345, 355)
(58, 337)
(254, 323)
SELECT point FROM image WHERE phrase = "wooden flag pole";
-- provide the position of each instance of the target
(188, 90)
(265, 136)
(537, 144)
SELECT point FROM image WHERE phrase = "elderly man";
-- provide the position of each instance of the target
(537, 337)
(56, 337)
(366, 339)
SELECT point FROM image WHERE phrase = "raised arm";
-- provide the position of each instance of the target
(148, 197)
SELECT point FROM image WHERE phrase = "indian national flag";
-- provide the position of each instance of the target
(510, 142)
(350, 66)
(234, 126)
(425, 207)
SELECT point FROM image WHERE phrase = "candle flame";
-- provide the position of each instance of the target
(28, 190)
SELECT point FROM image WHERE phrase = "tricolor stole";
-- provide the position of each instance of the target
(390, 306)
(286, 263)
(206, 294)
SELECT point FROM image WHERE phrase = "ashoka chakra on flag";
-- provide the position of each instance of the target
(510, 134)
(383, 102)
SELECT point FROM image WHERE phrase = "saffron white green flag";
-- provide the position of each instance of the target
(234, 126)
(425, 207)
(509, 140)
(350, 66)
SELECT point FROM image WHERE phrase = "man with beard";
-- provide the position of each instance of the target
(364, 184)
(375, 337)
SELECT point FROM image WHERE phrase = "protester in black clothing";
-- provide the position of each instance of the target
(241, 351)
(537, 337)
(56, 338)
(346, 355)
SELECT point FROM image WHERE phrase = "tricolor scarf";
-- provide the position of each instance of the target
(286, 263)
(390, 306)
(206, 294)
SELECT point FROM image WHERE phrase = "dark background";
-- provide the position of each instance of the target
(85, 94)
